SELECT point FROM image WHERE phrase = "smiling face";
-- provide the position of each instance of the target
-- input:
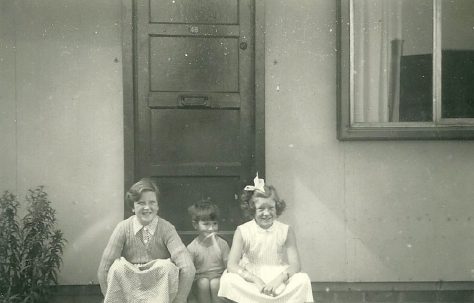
(265, 212)
(146, 208)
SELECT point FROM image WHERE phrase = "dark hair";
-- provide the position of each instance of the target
(204, 210)
(136, 190)
(247, 200)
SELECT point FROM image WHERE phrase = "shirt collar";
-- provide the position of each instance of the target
(137, 226)
(263, 230)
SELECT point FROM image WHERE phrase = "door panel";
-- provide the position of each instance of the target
(194, 104)
(197, 136)
(194, 64)
(195, 12)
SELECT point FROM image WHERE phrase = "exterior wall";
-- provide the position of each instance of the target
(362, 211)
(61, 114)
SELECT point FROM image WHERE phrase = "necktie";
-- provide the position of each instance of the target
(146, 235)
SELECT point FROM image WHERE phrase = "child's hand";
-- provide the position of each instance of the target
(274, 287)
(260, 284)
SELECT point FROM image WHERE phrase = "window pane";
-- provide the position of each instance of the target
(457, 25)
(392, 66)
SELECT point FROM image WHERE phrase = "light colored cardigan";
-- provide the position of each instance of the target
(165, 243)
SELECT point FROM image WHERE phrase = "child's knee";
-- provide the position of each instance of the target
(202, 283)
(301, 278)
(214, 284)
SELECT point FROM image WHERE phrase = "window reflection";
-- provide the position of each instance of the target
(457, 42)
(392, 47)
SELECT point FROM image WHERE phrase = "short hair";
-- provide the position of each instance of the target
(248, 197)
(136, 190)
(204, 210)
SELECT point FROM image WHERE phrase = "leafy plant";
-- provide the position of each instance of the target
(30, 250)
(10, 240)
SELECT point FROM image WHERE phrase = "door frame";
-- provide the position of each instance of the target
(129, 94)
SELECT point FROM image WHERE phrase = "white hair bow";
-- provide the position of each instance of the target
(258, 185)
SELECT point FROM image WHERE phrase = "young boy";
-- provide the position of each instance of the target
(208, 251)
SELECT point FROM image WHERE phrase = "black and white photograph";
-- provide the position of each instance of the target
(250, 151)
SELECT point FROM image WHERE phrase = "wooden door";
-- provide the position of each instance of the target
(195, 104)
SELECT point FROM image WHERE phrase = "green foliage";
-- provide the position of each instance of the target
(30, 250)
(10, 242)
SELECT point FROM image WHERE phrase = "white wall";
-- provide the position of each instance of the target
(363, 211)
(62, 86)
(8, 111)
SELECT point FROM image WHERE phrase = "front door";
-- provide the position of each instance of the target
(194, 104)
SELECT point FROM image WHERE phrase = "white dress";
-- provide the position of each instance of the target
(264, 256)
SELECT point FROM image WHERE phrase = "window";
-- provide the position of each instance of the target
(406, 69)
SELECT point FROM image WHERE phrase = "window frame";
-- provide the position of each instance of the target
(438, 129)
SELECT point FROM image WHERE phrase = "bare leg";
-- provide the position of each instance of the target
(203, 290)
(214, 285)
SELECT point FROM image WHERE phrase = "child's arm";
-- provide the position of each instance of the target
(112, 252)
(182, 259)
(235, 255)
(192, 253)
(292, 252)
